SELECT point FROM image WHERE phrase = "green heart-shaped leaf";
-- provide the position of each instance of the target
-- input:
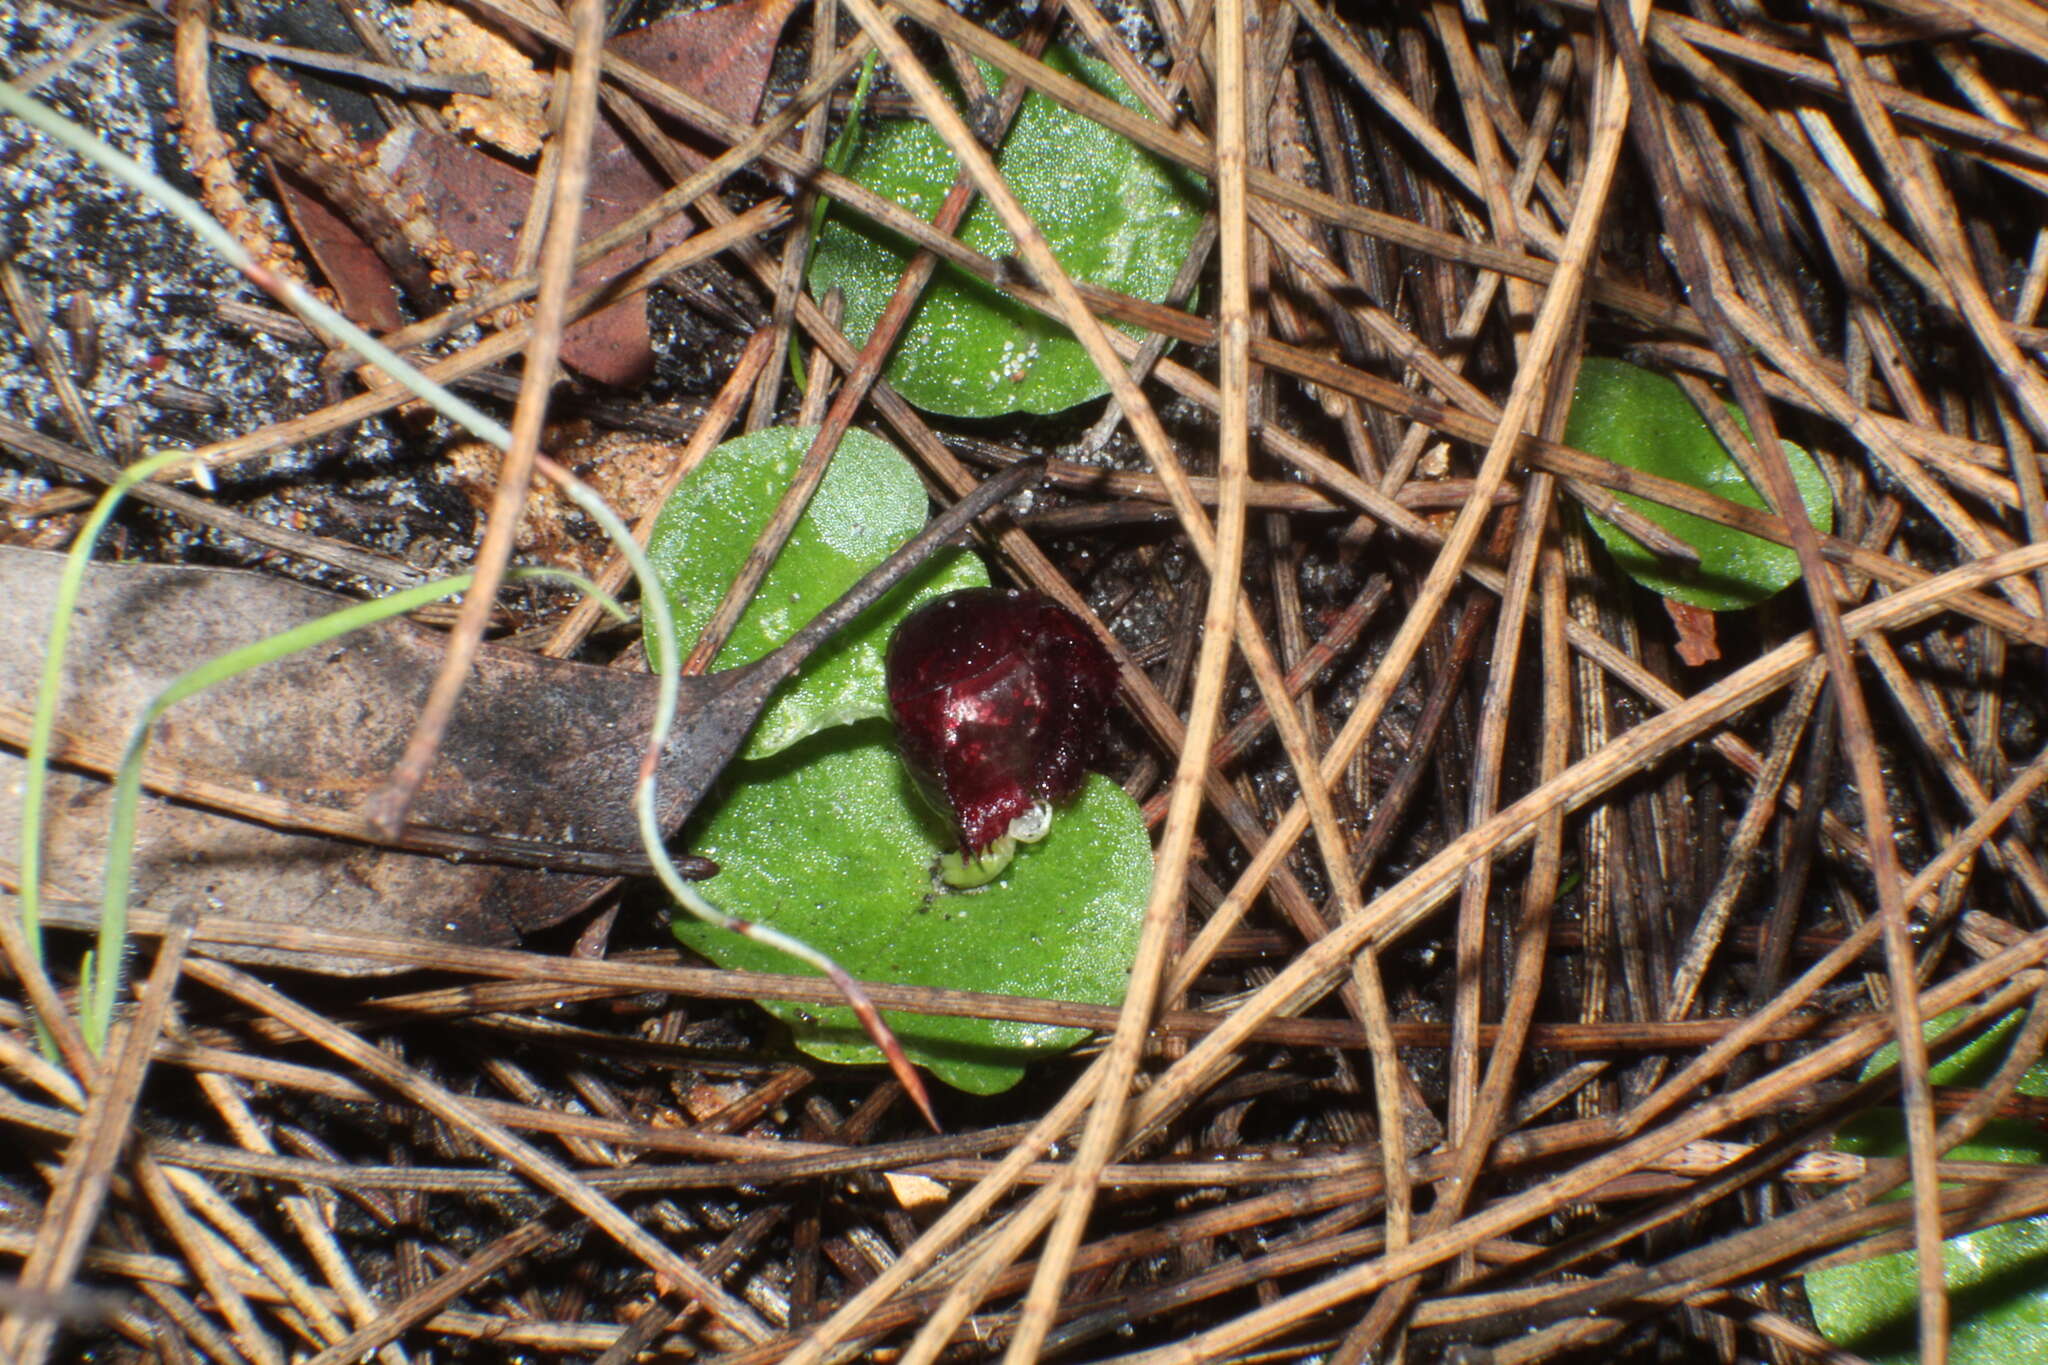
(1643, 420)
(1114, 216)
(829, 842)
(869, 503)
(1997, 1276)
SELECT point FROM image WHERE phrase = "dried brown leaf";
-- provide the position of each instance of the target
(1697, 644)
(480, 202)
(362, 282)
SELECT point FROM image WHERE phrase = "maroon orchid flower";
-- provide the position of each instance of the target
(999, 697)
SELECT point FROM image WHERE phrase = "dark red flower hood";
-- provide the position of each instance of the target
(999, 698)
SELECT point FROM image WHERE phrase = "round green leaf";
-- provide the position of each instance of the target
(1643, 420)
(869, 503)
(1997, 1276)
(830, 842)
(1114, 216)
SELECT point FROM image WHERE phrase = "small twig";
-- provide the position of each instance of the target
(1108, 1114)
(1609, 506)
(210, 1267)
(397, 78)
(340, 181)
(796, 250)
(88, 43)
(398, 1318)
(28, 315)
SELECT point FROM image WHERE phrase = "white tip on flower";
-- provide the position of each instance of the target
(1033, 824)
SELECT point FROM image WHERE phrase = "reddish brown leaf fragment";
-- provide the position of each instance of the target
(480, 204)
(362, 283)
(1696, 640)
(720, 55)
